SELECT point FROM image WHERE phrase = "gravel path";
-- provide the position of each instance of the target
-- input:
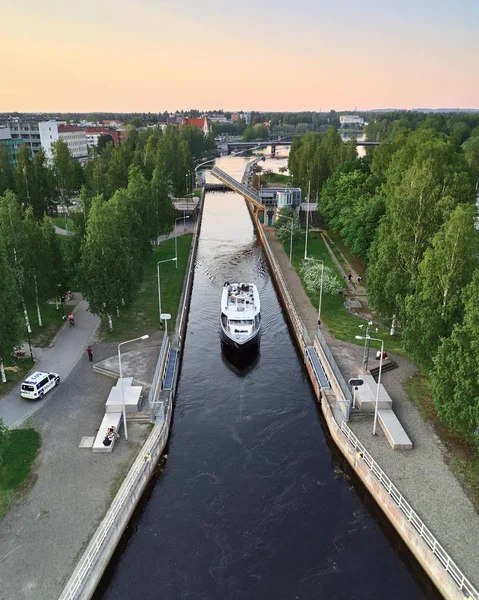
(421, 474)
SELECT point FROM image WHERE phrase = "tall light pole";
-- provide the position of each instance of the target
(165, 317)
(143, 337)
(159, 287)
(291, 240)
(176, 242)
(320, 285)
(360, 337)
(307, 223)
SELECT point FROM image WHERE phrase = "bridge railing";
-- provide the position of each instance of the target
(237, 186)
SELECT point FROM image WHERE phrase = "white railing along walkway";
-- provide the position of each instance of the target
(449, 565)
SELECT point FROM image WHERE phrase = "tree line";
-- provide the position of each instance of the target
(123, 206)
(408, 209)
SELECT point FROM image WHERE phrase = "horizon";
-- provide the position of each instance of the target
(150, 57)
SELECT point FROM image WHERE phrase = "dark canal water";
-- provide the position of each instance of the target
(254, 501)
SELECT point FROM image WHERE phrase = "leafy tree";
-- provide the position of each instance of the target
(164, 209)
(471, 150)
(43, 189)
(4, 439)
(312, 272)
(64, 171)
(103, 140)
(286, 221)
(24, 176)
(7, 176)
(455, 377)
(11, 324)
(445, 269)
(120, 159)
(427, 178)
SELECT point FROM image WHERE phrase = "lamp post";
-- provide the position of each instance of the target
(159, 287)
(176, 241)
(291, 240)
(165, 317)
(368, 338)
(320, 285)
(307, 223)
(143, 337)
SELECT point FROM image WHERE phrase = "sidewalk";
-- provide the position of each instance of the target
(421, 474)
(68, 346)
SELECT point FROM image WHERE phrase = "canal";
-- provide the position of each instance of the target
(253, 501)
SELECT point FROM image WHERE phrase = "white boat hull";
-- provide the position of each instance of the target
(240, 344)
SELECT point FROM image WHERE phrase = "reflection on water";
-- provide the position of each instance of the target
(240, 363)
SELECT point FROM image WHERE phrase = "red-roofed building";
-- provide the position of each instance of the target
(94, 133)
(200, 122)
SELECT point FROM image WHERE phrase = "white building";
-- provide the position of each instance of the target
(74, 137)
(351, 120)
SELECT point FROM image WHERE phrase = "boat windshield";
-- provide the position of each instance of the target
(241, 322)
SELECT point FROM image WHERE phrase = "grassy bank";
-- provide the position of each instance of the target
(275, 178)
(333, 313)
(15, 371)
(142, 316)
(463, 455)
(61, 221)
(51, 322)
(18, 460)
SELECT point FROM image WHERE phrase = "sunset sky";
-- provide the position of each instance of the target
(154, 55)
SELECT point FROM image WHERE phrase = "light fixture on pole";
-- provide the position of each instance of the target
(320, 285)
(143, 337)
(165, 317)
(159, 287)
(360, 337)
(307, 223)
(176, 240)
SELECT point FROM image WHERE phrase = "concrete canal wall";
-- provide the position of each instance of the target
(94, 561)
(444, 573)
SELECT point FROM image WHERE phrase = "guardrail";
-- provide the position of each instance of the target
(449, 565)
(125, 497)
(153, 402)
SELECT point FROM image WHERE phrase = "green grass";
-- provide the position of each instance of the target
(22, 367)
(59, 221)
(142, 316)
(340, 323)
(275, 178)
(17, 463)
(51, 320)
(340, 249)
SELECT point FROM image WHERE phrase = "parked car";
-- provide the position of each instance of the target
(38, 384)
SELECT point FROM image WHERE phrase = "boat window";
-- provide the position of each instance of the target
(241, 322)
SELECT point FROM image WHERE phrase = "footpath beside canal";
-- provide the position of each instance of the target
(421, 474)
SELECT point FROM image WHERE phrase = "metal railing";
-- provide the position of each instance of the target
(126, 495)
(153, 397)
(187, 290)
(244, 190)
(449, 565)
(334, 366)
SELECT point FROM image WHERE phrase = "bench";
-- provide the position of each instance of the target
(393, 430)
(366, 395)
(111, 419)
(132, 396)
(127, 382)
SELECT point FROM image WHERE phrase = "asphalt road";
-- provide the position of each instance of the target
(61, 358)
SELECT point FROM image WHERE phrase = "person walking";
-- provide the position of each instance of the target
(90, 353)
(349, 277)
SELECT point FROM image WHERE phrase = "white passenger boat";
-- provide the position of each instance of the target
(240, 314)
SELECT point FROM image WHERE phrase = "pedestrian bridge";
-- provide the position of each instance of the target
(248, 194)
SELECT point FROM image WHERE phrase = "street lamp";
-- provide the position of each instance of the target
(368, 338)
(307, 223)
(165, 317)
(320, 285)
(159, 287)
(176, 241)
(291, 240)
(143, 337)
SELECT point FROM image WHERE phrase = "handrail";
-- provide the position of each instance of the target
(449, 565)
(158, 376)
(158, 435)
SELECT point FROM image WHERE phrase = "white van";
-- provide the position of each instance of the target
(38, 384)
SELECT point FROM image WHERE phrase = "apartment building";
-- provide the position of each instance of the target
(27, 132)
(73, 136)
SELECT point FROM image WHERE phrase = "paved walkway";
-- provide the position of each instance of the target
(69, 345)
(421, 474)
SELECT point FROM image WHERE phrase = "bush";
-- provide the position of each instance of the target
(311, 273)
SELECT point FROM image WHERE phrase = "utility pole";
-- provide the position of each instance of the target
(307, 223)
(366, 347)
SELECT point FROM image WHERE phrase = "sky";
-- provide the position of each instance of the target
(274, 55)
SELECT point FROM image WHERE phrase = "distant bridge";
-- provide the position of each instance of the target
(230, 146)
